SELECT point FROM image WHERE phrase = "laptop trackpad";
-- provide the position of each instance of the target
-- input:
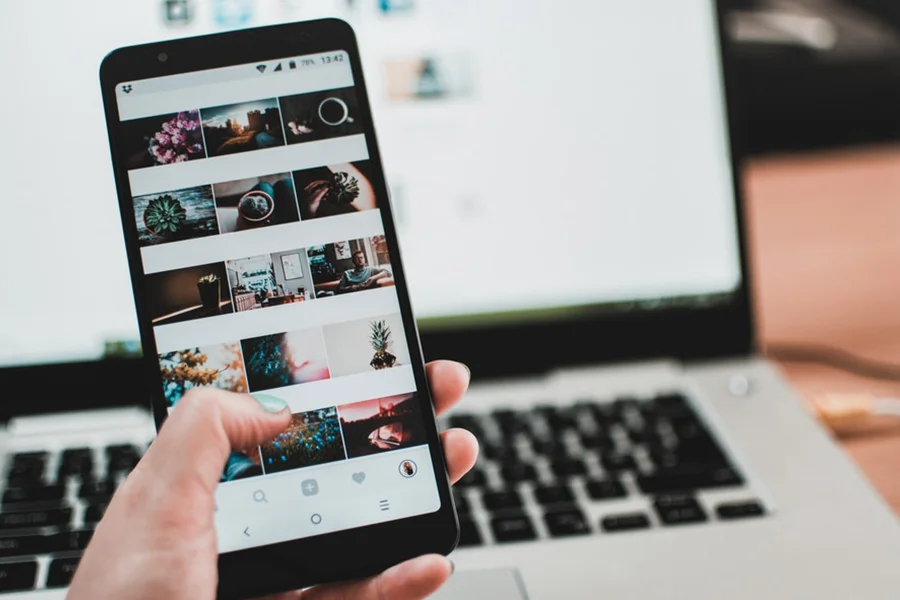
(489, 584)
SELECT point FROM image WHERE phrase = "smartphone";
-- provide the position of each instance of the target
(264, 259)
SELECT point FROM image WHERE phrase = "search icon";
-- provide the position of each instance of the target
(260, 496)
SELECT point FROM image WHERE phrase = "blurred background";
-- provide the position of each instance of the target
(819, 96)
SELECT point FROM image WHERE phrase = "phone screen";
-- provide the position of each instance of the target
(266, 270)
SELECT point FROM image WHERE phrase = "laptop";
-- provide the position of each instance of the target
(565, 177)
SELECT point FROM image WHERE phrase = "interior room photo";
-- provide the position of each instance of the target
(187, 294)
(269, 280)
(350, 266)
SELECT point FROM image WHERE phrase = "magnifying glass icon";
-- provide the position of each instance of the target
(260, 496)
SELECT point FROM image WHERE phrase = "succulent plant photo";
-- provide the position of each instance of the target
(164, 215)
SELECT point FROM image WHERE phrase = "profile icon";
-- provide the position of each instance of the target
(408, 469)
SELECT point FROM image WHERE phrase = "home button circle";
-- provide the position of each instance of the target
(315, 519)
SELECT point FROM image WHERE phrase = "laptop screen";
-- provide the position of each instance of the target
(543, 157)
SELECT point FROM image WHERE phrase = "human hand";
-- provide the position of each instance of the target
(158, 539)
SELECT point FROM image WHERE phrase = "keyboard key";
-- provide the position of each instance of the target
(606, 415)
(740, 510)
(604, 489)
(58, 517)
(122, 459)
(500, 452)
(78, 462)
(513, 528)
(474, 478)
(564, 523)
(678, 480)
(511, 422)
(37, 494)
(567, 467)
(625, 522)
(26, 468)
(99, 490)
(93, 513)
(678, 509)
(68, 541)
(22, 545)
(61, 572)
(517, 472)
(617, 461)
(501, 500)
(17, 576)
(469, 534)
(552, 447)
(554, 494)
(597, 440)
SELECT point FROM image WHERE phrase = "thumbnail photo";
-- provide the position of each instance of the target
(256, 202)
(163, 140)
(241, 127)
(220, 366)
(187, 294)
(366, 345)
(382, 424)
(312, 438)
(321, 115)
(242, 464)
(174, 216)
(269, 280)
(335, 190)
(350, 266)
(282, 359)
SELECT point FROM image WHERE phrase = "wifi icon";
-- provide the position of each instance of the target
(261, 68)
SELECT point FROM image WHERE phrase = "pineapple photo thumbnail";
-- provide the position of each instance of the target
(366, 345)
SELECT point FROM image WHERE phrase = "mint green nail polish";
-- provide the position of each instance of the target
(271, 403)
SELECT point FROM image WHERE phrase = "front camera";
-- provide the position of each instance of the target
(163, 57)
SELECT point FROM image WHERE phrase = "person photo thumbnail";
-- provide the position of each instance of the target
(283, 359)
(366, 345)
(312, 438)
(188, 294)
(269, 280)
(162, 140)
(256, 202)
(335, 190)
(175, 216)
(381, 425)
(219, 366)
(241, 127)
(321, 115)
(350, 266)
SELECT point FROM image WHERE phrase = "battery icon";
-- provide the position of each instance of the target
(292, 64)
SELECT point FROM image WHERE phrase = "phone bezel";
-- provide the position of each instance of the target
(343, 555)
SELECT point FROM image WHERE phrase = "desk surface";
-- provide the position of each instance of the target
(824, 236)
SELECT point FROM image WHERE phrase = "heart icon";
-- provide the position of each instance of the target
(359, 477)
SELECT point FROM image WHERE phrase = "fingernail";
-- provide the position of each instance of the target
(452, 567)
(468, 370)
(273, 404)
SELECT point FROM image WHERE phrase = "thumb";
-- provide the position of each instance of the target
(203, 429)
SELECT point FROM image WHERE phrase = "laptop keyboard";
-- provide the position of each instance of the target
(591, 467)
(51, 504)
(546, 472)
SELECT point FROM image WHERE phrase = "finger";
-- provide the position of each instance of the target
(204, 427)
(449, 381)
(460, 452)
(413, 580)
